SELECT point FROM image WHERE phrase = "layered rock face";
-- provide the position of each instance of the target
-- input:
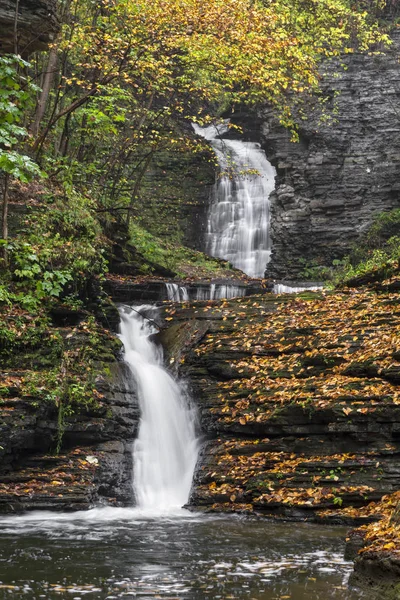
(344, 170)
(35, 23)
(94, 437)
(175, 196)
(299, 399)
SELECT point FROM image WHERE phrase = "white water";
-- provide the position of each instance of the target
(177, 293)
(280, 288)
(212, 291)
(238, 221)
(219, 292)
(165, 451)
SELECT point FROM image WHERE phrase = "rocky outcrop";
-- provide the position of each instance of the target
(345, 168)
(30, 27)
(299, 401)
(175, 195)
(63, 452)
(132, 290)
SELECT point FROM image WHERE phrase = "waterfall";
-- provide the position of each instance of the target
(280, 288)
(206, 291)
(177, 293)
(238, 221)
(165, 451)
(220, 292)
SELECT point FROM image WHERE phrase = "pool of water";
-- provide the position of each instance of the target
(121, 553)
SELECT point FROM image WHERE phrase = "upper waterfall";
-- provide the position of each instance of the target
(165, 451)
(238, 220)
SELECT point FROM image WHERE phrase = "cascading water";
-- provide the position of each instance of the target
(220, 292)
(165, 451)
(238, 221)
(177, 293)
(211, 291)
(280, 288)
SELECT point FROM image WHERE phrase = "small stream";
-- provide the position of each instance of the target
(121, 553)
(158, 549)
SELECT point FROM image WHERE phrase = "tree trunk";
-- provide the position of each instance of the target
(137, 187)
(5, 217)
(16, 28)
(64, 140)
(44, 96)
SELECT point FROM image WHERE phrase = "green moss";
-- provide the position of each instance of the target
(175, 188)
(180, 259)
(54, 368)
(376, 253)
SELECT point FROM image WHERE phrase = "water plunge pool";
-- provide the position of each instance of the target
(122, 553)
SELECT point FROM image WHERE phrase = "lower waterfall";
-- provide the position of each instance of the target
(211, 291)
(165, 451)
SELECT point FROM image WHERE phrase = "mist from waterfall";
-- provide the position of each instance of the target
(238, 220)
(165, 451)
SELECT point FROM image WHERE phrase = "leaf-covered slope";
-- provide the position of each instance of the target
(307, 387)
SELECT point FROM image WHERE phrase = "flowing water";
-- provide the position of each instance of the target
(215, 291)
(238, 220)
(119, 554)
(280, 288)
(157, 549)
(166, 448)
(212, 291)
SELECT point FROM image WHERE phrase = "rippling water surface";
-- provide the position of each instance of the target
(115, 554)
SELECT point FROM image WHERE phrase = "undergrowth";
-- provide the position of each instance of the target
(56, 261)
(184, 261)
(378, 250)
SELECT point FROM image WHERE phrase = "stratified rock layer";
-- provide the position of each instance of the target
(58, 453)
(175, 196)
(345, 168)
(35, 22)
(299, 400)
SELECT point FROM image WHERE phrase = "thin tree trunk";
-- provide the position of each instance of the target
(64, 141)
(5, 217)
(137, 187)
(46, 87)
(16, 28)
(66, 111)
(81, 150)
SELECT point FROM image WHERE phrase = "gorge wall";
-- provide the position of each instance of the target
(175, 195)
(345, 168)
(35, 22)
(298, 397)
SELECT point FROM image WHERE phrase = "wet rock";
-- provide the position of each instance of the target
(298, 399)
(37, 25)
(344, 169)
(94, 460)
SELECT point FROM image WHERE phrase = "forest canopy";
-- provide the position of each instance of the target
(124, 79)
(123, 75)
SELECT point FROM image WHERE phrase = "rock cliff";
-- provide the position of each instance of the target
(299, 400)
(31, 26)
(92, 431)
(345, 168)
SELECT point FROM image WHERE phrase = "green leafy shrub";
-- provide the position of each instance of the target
(14, 99)
(179, 259)
(377, 249)
(59, 249)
